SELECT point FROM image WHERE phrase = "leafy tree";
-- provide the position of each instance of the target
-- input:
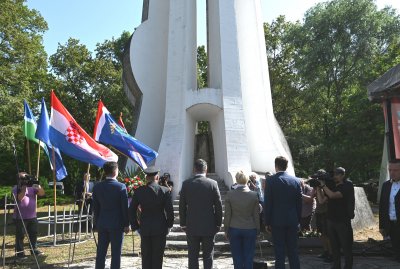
(82, 80)
(22, 72)
(202, 64)
(329, 59)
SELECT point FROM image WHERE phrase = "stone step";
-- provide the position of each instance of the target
(182, 245)
(176, 201)
(181, 236)
(177, 228)
(222, 193)
(176, 218)
(219, 245)
(176, 207)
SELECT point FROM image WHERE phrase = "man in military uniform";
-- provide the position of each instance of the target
(156, 217)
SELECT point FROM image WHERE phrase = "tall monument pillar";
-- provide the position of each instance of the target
(237, 103)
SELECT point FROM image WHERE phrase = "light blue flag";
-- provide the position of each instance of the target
(42, 133)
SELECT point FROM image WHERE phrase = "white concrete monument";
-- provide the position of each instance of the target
(237, 104)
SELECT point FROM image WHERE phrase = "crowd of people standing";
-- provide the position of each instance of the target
(281, 203)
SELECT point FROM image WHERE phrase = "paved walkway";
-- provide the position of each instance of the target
(307, 262)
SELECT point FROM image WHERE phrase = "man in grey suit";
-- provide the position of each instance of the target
(110, 207)
(200, 214)
(282, 205)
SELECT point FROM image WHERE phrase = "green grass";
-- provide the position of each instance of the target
(56, 255)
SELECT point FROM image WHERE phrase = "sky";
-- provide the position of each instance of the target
(93, 21)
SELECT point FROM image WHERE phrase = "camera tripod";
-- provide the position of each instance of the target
(19, 215)
(6, 206)
(82, 206)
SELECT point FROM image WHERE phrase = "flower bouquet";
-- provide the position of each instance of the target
(133, 180)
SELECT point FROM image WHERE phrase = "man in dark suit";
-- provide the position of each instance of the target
(110, 207)
(389, 208)
(156, 216)
(282, 207)
(200, 214)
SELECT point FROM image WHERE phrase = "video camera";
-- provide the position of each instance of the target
(28, 180)
(321, 175)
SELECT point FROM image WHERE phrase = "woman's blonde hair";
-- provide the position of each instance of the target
(241, 178)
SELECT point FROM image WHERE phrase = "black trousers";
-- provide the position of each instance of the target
(341, 236)
(207, 247)
(152, 248)
(394, 234)
(31, 228)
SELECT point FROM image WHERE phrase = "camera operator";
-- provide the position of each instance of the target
(341, 203)
(165, 181)
(321, 213)
(25, 193)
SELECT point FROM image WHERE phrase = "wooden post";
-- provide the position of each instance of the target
(63, 223)
(37, 168)
(28, 150)
(69, 223)
(55, 195)
(83, 202)
(38, 162)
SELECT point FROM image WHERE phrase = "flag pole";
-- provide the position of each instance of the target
(83, 204)
(29, 156)
(38, 162)
(119, 152)
(37, 168)
(53, 158)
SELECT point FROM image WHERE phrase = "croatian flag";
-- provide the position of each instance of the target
(71, 139)
(42, 133)
(108, 131)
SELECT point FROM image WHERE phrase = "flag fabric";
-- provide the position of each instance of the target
(66, 134)
(29, 124)
(42, 133)
(108, 131)
(120, 122)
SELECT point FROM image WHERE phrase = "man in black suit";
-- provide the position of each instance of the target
(156, 216)
(389, 208)
(200, 214)
(110, 207)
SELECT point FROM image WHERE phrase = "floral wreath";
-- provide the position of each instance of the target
(133, 179)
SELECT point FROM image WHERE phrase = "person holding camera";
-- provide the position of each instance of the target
(165, 181)
(321, 210)
(341, 204)
(25, 212)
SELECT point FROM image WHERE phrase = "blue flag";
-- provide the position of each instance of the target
(42, 133)
(108, 131)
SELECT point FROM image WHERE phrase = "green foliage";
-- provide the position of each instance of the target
(202, 67)
(5, 190)
(203, 127)
(23, 68)
(44, 183)
(48, 199)
(79, 77)
(319, 70)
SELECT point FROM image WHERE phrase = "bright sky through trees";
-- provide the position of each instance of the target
(93, 21)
